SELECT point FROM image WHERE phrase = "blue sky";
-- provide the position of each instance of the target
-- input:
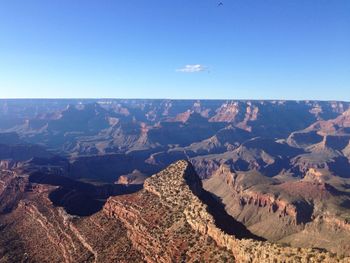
(181, 49)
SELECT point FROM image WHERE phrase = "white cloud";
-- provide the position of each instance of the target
(192, 68)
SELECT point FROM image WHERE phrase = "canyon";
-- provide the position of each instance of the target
(169, 210)
(216, 181)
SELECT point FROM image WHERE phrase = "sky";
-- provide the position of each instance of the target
(177, 49)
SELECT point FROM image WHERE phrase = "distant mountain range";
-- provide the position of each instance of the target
(284, 164)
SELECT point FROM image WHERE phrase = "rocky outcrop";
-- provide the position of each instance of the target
(7, 164)
(136, 177)
(177, 188)
(273, 205)
(226, 113)
(155, 217)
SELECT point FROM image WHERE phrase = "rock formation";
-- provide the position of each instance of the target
(296, 209)
(175, 204)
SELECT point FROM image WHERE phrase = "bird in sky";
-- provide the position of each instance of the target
(220, 4)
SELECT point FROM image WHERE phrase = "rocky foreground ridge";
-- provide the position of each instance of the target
(177, 190)
(168, 221)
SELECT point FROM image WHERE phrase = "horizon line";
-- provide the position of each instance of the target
(177, 99)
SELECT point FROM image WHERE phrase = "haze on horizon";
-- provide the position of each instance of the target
(243, 49)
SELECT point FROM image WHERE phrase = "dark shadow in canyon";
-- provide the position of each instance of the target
(80, 198)
(340, 167)
(222, 219)
(305, 211)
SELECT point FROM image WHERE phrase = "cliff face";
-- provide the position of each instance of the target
(303, 213)
(169, 211)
